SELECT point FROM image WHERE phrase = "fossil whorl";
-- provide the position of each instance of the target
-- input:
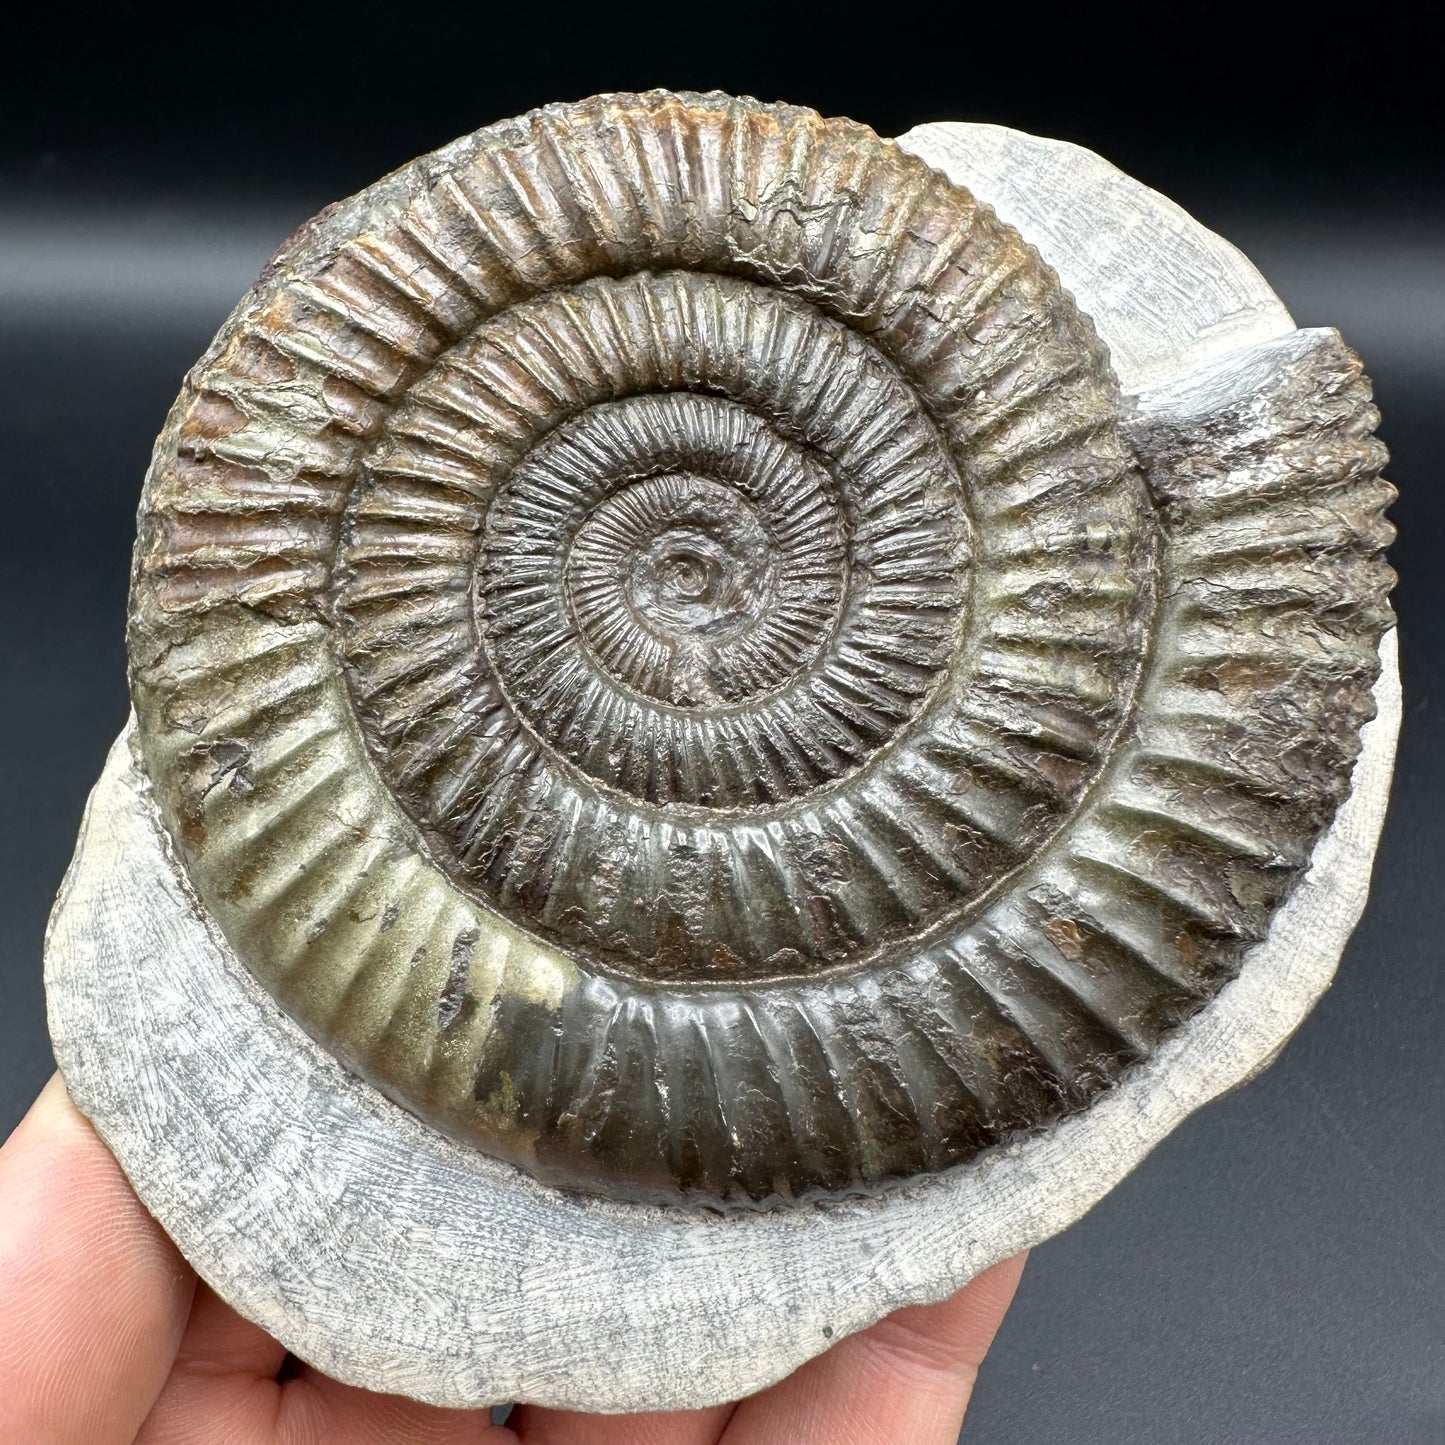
(656, 638)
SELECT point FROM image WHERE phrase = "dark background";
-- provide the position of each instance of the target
(1274, 1272)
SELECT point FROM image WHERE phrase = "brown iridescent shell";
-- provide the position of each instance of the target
(656, 638)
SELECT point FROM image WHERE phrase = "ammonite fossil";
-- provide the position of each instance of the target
(657, 639)
(716, 749)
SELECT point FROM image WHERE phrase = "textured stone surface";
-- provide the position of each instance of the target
(395, 1258)
(1202, 296)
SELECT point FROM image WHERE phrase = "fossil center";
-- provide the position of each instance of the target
(664, 573)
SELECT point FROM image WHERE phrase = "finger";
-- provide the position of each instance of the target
(93, 1296)
(222, 1387)
(907, 1378)
(217, 1395)
(536, 1426)
(316, 1410)
(218, 1341)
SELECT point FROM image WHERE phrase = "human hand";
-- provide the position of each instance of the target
(107, 1338)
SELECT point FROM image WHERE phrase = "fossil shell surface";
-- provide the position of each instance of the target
(657, 638)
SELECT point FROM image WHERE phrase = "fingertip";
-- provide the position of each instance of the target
(908, 1377)
(952, 1337)
(93, 1296)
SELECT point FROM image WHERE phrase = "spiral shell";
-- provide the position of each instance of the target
(656, 638)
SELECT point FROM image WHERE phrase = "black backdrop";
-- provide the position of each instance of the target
(1274, 1272)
